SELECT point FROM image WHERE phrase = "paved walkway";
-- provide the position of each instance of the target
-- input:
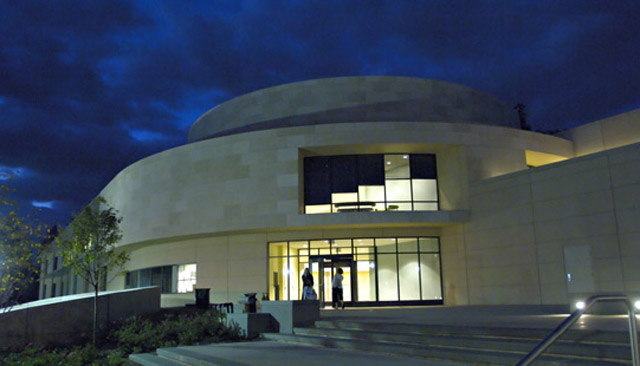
(268, 353)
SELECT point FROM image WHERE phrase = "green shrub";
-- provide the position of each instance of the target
(34, 356)
(135, 335)
(79, 356)
(115, 358)
(140, 334)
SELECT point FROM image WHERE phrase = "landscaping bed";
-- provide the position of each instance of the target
(138, 334)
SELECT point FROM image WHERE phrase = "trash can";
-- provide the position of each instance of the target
(249, 301)
(202, 298)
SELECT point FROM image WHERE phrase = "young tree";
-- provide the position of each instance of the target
(87, 245)
(19, 247)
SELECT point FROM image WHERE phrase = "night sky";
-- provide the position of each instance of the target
(87, 87)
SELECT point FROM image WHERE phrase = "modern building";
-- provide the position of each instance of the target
(422, 191)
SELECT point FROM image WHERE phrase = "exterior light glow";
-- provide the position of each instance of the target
(388, 163)
(637, 304)
(372, 265)
(580, 305)
(405, 156)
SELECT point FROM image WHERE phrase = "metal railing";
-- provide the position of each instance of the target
(565, 325)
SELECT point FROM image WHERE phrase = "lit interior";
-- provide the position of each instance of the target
(536, 159)
(186, 278)
(400, 192)
(404, 269)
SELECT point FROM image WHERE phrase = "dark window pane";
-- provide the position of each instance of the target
(156, 276)
(317, 185)
(167, 279)
(145, 277)
(133, 279)
(423, 166)
(344, 173)
(371, 170)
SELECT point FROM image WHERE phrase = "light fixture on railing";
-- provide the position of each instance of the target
(637, 304)
(580, 304)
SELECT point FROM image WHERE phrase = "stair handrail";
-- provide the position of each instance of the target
(573, 318)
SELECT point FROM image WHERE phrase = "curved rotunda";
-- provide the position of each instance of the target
(422, 191)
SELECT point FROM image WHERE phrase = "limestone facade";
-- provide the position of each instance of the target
(516, 209)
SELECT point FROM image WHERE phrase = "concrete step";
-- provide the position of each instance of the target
(597, 336)
(177, 356)
(269, 353)
(149, 359)
(188, 357)
(497, 343)
(476, 356)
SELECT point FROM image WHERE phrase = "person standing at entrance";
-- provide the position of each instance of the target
(336, 287)
(307, 285)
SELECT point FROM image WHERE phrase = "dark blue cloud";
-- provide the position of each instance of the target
(88, 87)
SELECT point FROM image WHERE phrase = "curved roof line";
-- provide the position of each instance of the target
(352, 99)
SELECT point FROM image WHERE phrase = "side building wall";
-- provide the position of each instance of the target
(555, 233)
(615, 131)
(57, 280)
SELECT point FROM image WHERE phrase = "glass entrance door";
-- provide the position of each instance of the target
(377, 271)
(324, 268)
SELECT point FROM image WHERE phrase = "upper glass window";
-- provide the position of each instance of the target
(374, 182)
(396, 166)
